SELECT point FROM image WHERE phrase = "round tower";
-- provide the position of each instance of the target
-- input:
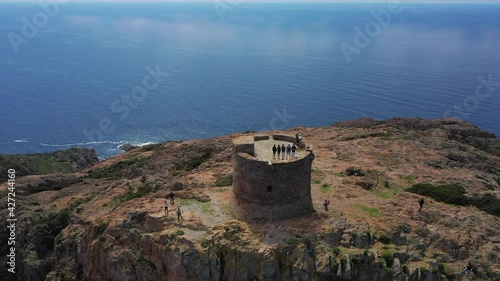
(267, 188)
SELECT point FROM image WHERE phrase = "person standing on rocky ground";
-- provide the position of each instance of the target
(327, 202)
(421, 203)
(297, 138)
(279, 151)
(179, 214)
(468, 269)
(166, 207)
(283, 152)
(288, 151)
(171, 195)
(294, 148)
(274, 151)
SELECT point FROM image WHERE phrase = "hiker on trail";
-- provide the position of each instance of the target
(171, 195)
(468, 269)
(283, 152)
(166, 207)
(297, 138)
(294, 148)
(327, 202)
(279, 151)
(179, 214)
(288, 151)
(274, 151)
(421, 203)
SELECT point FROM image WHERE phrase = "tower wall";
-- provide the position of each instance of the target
(265, 190)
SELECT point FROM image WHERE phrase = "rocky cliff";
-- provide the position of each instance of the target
(108, 222)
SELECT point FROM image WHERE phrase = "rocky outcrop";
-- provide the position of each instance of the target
(64, 161)
(127, 147)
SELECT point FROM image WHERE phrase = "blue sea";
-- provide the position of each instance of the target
(100, 74)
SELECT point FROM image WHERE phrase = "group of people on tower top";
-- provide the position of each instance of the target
(284, 152)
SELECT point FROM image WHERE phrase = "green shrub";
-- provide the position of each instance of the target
(74, 203)
(152, 147)
(204, 242)
(116, 170)
(449, 193)
(141, 191)
(292, 241)
(352, 171)
(384, 239)
(224, 181)
(53, 185)
(192, 163)
(489, 203)
(179, 232)
(388, 256)
(336, 250)
(446, 270)
(324, 188)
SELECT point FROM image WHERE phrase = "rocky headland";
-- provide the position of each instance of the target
(107, 221)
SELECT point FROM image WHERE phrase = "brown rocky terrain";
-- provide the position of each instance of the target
(108, 223)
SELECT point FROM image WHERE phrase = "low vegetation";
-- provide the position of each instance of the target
(448, 193)
(384, 239)
(49, 184)
(388, 256)
(116, 170)
(373, 212)
(352, 171)
(317, 176)
(152, 147)
(65, 161)
(325, 188)
(226, 180)
(455, 194)
(141, 191)
(191, 163)
(488, 203)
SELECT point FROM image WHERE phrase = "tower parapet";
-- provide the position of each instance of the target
(267, 188)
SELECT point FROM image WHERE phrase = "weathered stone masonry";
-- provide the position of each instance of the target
(270, 190)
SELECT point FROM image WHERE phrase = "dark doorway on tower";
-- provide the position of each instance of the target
(269, 188)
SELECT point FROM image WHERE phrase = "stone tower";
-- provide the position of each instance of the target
(264, 188)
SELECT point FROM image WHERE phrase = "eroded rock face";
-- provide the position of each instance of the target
(229, 252)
